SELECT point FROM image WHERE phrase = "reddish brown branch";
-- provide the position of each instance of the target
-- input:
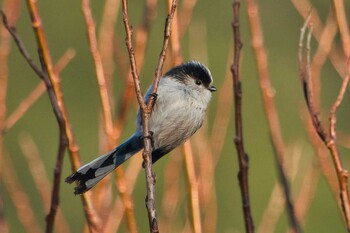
(334, 54)
(193, 187)
(107, 111)
(191, 176)
(20, 45)
(162, 55)
(52, 82)
(243, 159)
(340, 14)
(267, 92)
(36, 93)
(19, 197)
(40, 178)
(328, 140)
(12, 7)
(146, 108)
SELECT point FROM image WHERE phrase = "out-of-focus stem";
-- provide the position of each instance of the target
(270, 108)
(193, 187)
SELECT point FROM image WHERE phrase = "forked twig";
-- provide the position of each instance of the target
(20, 45)
(328, 140)
(146, 108)
(36, 93)
(52, 82)
(334, 55)
(243, 159)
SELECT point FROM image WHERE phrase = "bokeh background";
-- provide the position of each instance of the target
(209, 39)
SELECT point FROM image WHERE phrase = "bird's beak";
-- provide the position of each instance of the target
(212, 88)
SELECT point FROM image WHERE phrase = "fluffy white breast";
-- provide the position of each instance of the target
(178, 112)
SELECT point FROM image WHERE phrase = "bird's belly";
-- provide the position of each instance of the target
(175, 125)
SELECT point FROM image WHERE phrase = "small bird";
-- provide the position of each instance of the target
(182, 99)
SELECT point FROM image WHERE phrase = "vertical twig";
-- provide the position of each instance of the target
(342, 174)
(52, 83)
(106, 109)
(329, 140)
(193, 187)
(141, 38)
(40, 178)
(335, 57)
(106, 43)
(19, 198)
(146, 108)
(192, 178)
(270, 108)
(185, 14)
(116, 214)
(67, 139)
(171, 193)
(276, 204)
(13, 8)
(243, 159)
(340, 14)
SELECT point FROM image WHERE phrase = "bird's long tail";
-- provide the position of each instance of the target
(90, 174)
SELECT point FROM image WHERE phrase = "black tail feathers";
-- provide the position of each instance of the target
(90, 174)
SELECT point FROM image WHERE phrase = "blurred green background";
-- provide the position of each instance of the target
(65, 28)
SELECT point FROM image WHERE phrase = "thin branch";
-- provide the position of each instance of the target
(340, 14)
(12, 7)
(329, 140)
(141, 38)
(243, 159)
(324, 161)
(162, 55)
(171, 199)
(307, 191)
(185, 14)
(146, 109)
(277, 201)
(192, 178)
(100, 76)
(66, 136)
(107, 111)
(40, 178)
(267, 92)
(325, 45)
(342, 174)
(19, 197)
(20, 45)
(134, 70)
(106, 41)
(335, 57)
(304, 74)
(193, 187)
(175, 38)
(36, 93)
(52, 83)
(115, 217)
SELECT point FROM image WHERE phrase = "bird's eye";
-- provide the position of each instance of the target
(198, 82)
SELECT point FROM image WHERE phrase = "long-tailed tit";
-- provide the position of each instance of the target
(182, 99)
